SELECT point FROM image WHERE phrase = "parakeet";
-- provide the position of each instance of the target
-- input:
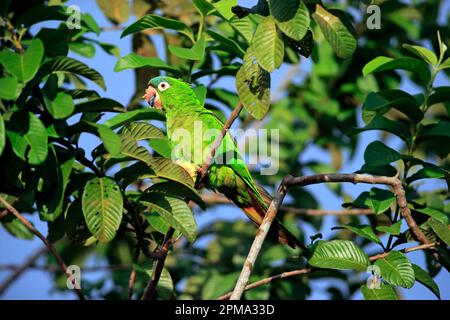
(191, 129)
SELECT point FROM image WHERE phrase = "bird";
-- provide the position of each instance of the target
(191, 130)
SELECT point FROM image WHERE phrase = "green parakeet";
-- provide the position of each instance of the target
(191, 129)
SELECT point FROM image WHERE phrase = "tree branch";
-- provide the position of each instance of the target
(47, 243)
(291, 181)
(303, 271)
(153, 283)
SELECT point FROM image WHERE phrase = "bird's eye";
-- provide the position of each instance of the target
(163, 86)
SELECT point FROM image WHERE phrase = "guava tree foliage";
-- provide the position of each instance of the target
(127, 206)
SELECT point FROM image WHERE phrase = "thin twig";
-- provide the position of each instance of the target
(153, 283)
(132, 278)
(307, 270)
(47, 243)
(291, 181)
(19, 270)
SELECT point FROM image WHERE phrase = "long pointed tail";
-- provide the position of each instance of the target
(256, 213)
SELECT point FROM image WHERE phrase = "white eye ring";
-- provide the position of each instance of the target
(163, 86)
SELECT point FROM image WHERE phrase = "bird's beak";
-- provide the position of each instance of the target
(152, 97)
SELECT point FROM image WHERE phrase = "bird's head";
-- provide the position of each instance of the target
(166, 92)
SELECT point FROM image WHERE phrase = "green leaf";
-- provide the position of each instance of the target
(244, 26)
(201, 92)
(228, 43)
(296, 26)
(224, 8)
(382, 102)
(268, 46)
(142, 131)
(16, 228)
(445, 64)
(381, 123)
(283, 10)
(382, 63)
(151, 21)
(253, 86)
(362, 230)
(176, 190)
(156, 222)
(378, 154)
(99, 105)
(8, 88)
(196, 52)
(133, 61)
(393, 229)
(337, 29)
(340, 255)
(385, 292)
(66, 64)
(435, 214)
(396, 269)
(424, 278)
(423, 53)
(162, 167)
(441, 230)
(381, 199)
(2, 134)
(429, 170)
(440, 129)
(110, 139)
(61, 106)
(174, 211)
(84, 49)
(28, 137)
(23, 66)
(102, 205)
(138, 114)
(440, 95)
(203, 7)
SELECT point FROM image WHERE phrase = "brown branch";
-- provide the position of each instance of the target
(47, 243)
(19, 270)
(214, 198)
(307, 270)
(209, 160)
(291, 181)
(153, 283)
(261, 234)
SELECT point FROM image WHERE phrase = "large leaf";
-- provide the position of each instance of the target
(99, 105)
(142, 131)
(292, 25)
(174, 211)
(423, 53)
(378, 154)
(268, 46)
(384, 292)
(396, 269)
(66, 64)
(340, 255)
(228, 43)
(110, 139)
(138, 114)
(424, 278)
(381, 123)
(363, 230)
(23, 66)
(133, 61)
(177, 190)
(196, 52)
(253, 86)
(392, 229)
(386, 64)
(337, 29)
(28, 137)
(381, 199)
(8, 88)
(441, 230)
(59, 104)
(102, 205)
(162, 167)
(157, 22)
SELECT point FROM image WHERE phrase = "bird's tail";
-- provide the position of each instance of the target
(257, 211)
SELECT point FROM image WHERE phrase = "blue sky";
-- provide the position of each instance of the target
(120, 86)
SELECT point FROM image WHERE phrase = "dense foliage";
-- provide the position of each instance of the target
(117, 204)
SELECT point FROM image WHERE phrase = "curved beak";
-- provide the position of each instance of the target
(152, 97)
